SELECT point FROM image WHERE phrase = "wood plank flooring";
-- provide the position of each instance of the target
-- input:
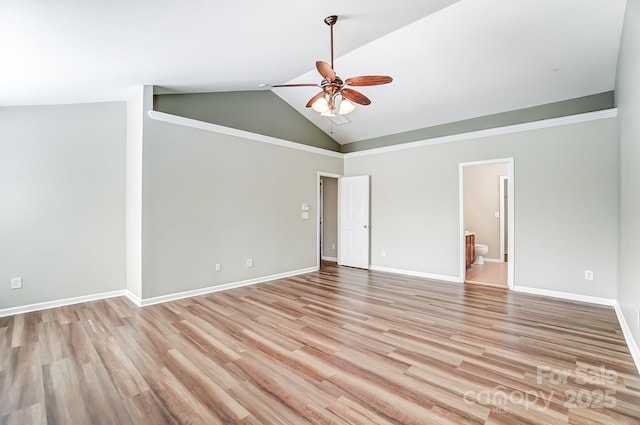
(489, 273)
(338, 346)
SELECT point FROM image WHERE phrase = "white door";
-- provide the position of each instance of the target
(353, 246)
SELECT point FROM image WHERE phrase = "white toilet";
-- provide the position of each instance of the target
(481, 251)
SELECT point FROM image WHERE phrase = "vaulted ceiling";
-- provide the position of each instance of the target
(450, 60)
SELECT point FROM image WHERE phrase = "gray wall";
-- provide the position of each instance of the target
(595, 102)
(212, 198)
(261, 112)
(330, 215)
(628, 100)
(481, 201)
(62, 201)
(565, 181)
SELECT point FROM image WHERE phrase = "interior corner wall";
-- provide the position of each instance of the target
(135, 133)
(212, 198)
(565, 205)
(62, 195)
(628, 102)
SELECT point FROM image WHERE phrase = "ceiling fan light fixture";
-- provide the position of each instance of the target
(329, 113)
(346, 107)
(334, 94)
(320, 105)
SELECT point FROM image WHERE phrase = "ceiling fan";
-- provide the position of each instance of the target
(335, 94)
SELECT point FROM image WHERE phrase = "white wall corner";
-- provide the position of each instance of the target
(133, 298)
(135, 136)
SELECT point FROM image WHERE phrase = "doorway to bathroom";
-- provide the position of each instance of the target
(486, 222)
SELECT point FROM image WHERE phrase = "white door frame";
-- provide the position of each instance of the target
(318, 214)
(510, 218)
(321, 219)
(503, 179)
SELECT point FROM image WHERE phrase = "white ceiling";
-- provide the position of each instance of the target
(450, 60)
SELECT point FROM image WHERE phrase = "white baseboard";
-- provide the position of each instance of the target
(148, 301)
(566, 295)
(332, 259)
(626, 331)
(133, 297)
(440, 277)
(210, 289)
(633, 347)
(61, 303)
(493, 260)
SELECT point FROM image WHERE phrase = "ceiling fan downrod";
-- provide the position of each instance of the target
(331, 20)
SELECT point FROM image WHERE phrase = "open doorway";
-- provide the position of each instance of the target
(327, 218)
(486, 222)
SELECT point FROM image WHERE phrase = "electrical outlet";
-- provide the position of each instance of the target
(383, 253)
(217, 267)
(16, 282)
(249, 262)
(588, 275)
(333, 246)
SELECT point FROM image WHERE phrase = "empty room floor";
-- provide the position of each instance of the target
(337, 346)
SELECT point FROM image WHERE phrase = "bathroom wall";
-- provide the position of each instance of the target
(481, 202)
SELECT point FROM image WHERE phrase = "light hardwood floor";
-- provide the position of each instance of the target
(489, 273)
(338, 346)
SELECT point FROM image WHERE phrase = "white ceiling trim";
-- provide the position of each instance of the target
(215, 128)
(516, 128)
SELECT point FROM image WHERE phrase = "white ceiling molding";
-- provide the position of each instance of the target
(516, 128)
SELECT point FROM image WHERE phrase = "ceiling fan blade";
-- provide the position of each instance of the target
(295, 85)
(325, 70)
(355, 96)
(368, 80)
(314, 98)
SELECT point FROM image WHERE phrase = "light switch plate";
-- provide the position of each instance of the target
(16, 282)
(304, 215)
(305, 207)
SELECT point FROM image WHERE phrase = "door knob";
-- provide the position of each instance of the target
(365, 226)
